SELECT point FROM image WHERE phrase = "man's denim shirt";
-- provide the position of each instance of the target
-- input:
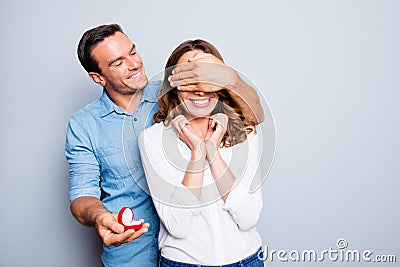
(102, 150)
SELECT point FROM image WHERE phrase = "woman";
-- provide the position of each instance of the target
(200, 159)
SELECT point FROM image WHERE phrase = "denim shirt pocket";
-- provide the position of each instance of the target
(113, 167)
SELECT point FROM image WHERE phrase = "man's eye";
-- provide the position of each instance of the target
(118, 63)
(133, 53)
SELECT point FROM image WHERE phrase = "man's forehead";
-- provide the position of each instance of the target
(112, 47)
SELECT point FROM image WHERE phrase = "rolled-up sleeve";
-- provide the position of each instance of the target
(84, 168)
(243, 203)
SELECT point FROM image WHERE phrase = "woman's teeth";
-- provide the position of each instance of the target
(200, 102)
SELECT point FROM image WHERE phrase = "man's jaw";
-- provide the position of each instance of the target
(139, 78)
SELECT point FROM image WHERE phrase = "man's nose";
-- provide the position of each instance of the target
(133, 64)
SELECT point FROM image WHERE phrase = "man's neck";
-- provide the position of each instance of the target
(128, 102)
(134, 102)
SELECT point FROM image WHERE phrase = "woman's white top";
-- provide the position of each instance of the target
(206, 230)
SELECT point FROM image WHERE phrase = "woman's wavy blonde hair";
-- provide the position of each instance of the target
(169, 106)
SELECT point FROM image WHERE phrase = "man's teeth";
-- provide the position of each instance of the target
(135, 76)
(201, 101)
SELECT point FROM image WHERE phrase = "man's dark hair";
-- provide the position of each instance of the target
(89, 41)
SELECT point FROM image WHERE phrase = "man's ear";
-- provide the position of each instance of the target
(97, 78)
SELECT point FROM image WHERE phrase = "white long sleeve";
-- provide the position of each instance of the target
(202, 231)
(171, 200)
(243, 203)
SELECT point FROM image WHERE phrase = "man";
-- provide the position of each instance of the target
(101, 141)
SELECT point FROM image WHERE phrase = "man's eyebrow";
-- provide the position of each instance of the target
(114, 60)
(120, 58)
(133, 47)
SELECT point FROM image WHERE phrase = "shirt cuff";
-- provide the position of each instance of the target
(86, 192)
(235, 199)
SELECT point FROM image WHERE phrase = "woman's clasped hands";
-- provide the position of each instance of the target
(198, 142)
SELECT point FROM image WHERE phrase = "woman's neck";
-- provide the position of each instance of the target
(200, 126)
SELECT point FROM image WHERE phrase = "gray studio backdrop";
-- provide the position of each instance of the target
(328, 69)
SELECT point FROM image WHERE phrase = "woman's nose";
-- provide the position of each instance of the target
(200, 93)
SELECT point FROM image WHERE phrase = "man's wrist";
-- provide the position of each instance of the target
(99, 215)
(235, 84)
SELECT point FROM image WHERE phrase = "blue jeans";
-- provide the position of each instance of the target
(253, 260)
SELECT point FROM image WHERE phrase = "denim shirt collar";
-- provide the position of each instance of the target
(149, 94)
